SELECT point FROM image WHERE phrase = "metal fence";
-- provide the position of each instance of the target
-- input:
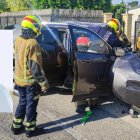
(8, 21)
(137, 29)
(56, 15)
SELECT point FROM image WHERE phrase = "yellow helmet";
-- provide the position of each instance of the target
(114, 23)
(32, 22)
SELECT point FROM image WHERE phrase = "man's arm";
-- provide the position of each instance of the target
(35, 66)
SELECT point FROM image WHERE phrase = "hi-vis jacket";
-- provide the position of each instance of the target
(28, 63)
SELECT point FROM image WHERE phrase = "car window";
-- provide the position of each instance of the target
(87, 41)
(49, 36)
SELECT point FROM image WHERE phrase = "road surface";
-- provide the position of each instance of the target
(110, 120)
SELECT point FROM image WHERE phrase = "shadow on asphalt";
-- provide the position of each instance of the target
(53, 90)
(98, 114)
(62, 124)
(57, 90)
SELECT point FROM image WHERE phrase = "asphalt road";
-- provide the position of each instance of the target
(110, 120)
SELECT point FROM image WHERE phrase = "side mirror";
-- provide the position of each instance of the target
(119, 52)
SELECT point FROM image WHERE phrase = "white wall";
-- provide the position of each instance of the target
(6, 59)
(135, 17)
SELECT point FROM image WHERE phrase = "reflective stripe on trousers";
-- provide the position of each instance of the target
(74, 86)
(30, 126)
(28, 101)
(17, 123)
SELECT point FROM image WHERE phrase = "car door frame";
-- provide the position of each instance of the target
(56, 73)
(96, 93)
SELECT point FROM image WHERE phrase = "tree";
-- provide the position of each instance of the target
(107, 5)
(134, 3)
(18, 5)
(104, 5)
(3, 6)
(72, 4)
(64, 4)
(40, 4)
(118, 10)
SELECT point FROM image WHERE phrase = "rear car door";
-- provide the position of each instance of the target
(51, 45)
(92, 63)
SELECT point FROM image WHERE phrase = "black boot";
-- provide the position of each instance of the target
(17, 131)
(80, 109)
(36, 132)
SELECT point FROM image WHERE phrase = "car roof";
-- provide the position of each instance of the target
(65, 24)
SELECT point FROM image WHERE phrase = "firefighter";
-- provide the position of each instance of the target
(29, 76)
(108, 32)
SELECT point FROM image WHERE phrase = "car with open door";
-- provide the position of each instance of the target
(88, 67)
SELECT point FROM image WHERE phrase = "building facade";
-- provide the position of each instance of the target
(135, 17)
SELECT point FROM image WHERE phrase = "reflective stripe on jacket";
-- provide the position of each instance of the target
(28, 62)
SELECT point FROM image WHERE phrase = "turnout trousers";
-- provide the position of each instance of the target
(28, 101)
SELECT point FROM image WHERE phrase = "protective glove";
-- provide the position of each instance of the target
(45, 87)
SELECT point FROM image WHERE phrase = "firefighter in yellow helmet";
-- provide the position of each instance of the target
(108, 32)
(29, 75)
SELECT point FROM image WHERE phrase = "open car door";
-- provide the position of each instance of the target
(92, 62)
(52, 47)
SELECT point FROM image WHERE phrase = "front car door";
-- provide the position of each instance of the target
(92, 63)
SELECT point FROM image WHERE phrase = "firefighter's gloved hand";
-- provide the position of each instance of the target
(44, 88)
(128, 49)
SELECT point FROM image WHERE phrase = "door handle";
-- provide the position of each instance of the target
(86, 61)
(94, 60)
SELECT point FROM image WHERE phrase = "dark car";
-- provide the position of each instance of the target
(88, 67)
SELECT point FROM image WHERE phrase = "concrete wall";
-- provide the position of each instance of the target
(127, 18)
(135, 17)
(56, 15)
(107, 17)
